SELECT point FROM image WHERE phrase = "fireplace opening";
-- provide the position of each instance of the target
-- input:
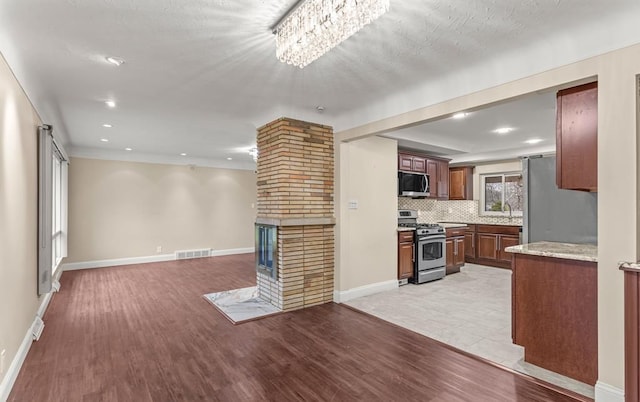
(267, 250)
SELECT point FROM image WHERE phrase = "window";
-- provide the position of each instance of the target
(500, 191)
(52, 208)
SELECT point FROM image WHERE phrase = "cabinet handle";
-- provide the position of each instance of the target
(455, 248)
(413, 253)
(497, 243)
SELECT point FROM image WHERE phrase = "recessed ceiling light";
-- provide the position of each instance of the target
(116, 61)
(110, 103)
(183, 154)
(534, 140)
(503, 130)
(104, 140)
(107, 125)
(229, 158)
(320, 108)
(460, 115)
(128, 149)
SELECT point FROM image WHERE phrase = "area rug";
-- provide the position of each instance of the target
(241, 305)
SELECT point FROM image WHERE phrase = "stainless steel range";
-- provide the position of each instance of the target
(430, 254)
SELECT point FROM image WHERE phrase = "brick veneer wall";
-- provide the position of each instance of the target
(295, 192)
(295, 170)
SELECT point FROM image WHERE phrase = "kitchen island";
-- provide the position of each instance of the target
(554, 307)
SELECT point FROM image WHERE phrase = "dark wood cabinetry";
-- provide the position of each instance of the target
(406, 254)
(555, 314)
(455, 247)
(461, 183)
(411, 163)
(437, 169)
(470, 243)
(577, 138)
(490, 242)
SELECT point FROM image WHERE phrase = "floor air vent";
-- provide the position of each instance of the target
(186, 254)
(37, 328)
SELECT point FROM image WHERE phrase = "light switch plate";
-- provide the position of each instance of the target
(353, 204)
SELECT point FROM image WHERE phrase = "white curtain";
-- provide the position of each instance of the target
(45, 206)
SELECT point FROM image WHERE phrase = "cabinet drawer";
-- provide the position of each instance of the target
(453, 232)
(406, 236)
(499, 229)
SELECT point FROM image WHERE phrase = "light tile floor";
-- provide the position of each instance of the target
(470, 310)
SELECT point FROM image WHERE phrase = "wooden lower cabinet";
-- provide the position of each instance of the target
(632, 333)
(455, 247)
(489, 242)
(406, 250)
(555, 314)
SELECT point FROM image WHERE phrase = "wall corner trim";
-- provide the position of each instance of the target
(141, 260)
(607, 393)
(366, 290)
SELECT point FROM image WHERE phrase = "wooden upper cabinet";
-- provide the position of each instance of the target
(437, 169)
(443, 179)
(461, 183)
(577, 138)
(411, 163)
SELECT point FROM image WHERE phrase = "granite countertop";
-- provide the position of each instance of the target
(480, 221)
(629, 266)
(569, 251)
(448, 225)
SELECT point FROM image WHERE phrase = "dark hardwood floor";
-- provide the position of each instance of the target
(144, 333)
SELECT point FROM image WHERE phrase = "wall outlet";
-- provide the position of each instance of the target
(253, 205)
(159, 249)
(353, 204)
(3, 355)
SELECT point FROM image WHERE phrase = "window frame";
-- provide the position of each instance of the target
(482, 212)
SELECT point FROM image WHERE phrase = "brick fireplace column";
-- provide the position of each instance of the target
(295, 194)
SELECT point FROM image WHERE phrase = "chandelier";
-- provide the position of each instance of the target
(313, 27)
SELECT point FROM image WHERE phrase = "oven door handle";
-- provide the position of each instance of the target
(426, 238)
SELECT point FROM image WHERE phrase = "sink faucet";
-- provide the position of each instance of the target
(506, 204)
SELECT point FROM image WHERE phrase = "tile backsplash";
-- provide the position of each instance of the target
(431, 211)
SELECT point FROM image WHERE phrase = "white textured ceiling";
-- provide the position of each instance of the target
(200, 76)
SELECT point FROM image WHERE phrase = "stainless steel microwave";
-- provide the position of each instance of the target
(413, 184)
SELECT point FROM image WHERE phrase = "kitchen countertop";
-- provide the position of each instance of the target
(480, 221)
(405, 229)
(448, 225)
(568, 251)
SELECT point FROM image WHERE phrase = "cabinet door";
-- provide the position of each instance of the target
(470, 245)
(487, 246)
(443, 180)
(450, 257)
(577, 138)
(405, 260)
(456, 184)
(405, 162)
(418, 165)
(507, 241)
(458, 252)
(432, 171)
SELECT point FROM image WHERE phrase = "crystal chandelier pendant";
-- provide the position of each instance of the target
(316, 26)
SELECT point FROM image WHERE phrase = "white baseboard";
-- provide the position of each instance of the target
(16, 364)
(117, 261)
(607, 393)
(366, 290)
(233, 251)
(141, 260)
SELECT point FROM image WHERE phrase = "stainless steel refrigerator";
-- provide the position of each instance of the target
(551, 214)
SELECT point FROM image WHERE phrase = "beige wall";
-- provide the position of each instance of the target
(367, 235)
(128, 209)
(19, 301)
(618, 177)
